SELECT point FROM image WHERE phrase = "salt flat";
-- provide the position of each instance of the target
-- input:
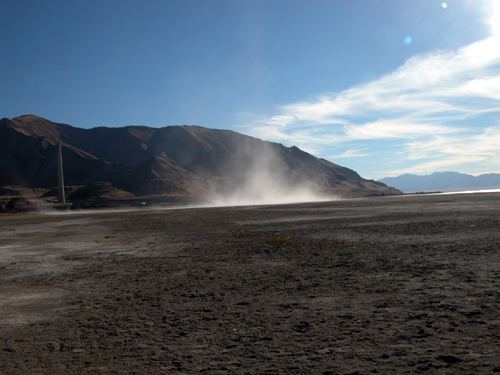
(377, 285)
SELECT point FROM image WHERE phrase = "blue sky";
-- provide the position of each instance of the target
(380, 86)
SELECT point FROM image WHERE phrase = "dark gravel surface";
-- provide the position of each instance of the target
(398, 285)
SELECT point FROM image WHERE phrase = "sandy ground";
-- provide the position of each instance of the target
(383, 285)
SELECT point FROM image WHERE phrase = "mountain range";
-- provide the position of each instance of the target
(182, 161)
(443, 181)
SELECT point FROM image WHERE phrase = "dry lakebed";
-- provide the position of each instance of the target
(390, 285)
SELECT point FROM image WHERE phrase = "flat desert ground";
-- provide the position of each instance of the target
(391, 285)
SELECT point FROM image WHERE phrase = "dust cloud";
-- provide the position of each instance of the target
(266, 177)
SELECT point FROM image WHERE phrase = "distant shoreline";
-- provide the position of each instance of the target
(454, 192)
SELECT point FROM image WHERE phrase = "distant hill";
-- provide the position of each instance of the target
(188, 161)
(443, 181)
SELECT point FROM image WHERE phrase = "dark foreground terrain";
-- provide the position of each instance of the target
(381, 285)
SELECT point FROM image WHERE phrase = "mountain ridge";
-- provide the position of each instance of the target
(443, 181)
(184, 160)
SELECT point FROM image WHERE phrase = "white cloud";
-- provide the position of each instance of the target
(480, 147)
(494, 20)
(394, 128)
(486, 87)
(352, 153)
(476, 154)
(438, 100)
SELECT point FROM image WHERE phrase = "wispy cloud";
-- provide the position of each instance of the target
(435, 104)
(393, 128)
(352, 153)
(481, 152)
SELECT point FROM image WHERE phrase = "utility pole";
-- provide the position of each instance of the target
(60, 175)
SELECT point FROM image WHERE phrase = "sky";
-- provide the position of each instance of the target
(383, 87)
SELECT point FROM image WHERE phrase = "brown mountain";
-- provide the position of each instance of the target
(170, 161)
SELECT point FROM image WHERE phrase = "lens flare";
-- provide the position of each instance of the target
(444, 5)
(408, 40)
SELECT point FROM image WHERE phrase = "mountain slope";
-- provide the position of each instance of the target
(173, 160)
(443, 181)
